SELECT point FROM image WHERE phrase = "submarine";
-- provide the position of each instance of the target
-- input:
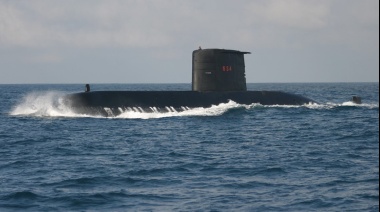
(218, 76)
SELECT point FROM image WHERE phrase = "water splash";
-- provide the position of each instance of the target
(215, 110)
(43, 104)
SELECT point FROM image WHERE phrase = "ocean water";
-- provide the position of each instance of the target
(230, 157)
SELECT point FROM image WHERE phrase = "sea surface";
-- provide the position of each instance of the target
(230, 157)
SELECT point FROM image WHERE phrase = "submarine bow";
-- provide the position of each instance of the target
(218, 76)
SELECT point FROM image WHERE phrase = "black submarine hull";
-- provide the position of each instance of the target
(218, 76)
(113, 103)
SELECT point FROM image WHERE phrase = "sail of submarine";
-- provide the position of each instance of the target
(218, 76)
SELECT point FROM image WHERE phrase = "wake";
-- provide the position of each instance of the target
(51, 104)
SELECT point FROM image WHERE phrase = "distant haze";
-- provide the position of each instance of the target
(151, 41)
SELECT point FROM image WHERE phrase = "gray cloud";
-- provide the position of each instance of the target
(163, 28)
(163, 22)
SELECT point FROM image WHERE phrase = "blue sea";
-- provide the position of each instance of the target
(229, 157)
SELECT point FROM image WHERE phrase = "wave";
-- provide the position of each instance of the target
(26, 195)
(51, 104)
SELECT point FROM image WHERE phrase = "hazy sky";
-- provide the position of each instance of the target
(151, 41)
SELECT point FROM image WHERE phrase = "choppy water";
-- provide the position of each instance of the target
(230, 157)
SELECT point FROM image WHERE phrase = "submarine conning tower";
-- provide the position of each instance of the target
(218, 70)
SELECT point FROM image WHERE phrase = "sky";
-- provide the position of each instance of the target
(151, 41)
